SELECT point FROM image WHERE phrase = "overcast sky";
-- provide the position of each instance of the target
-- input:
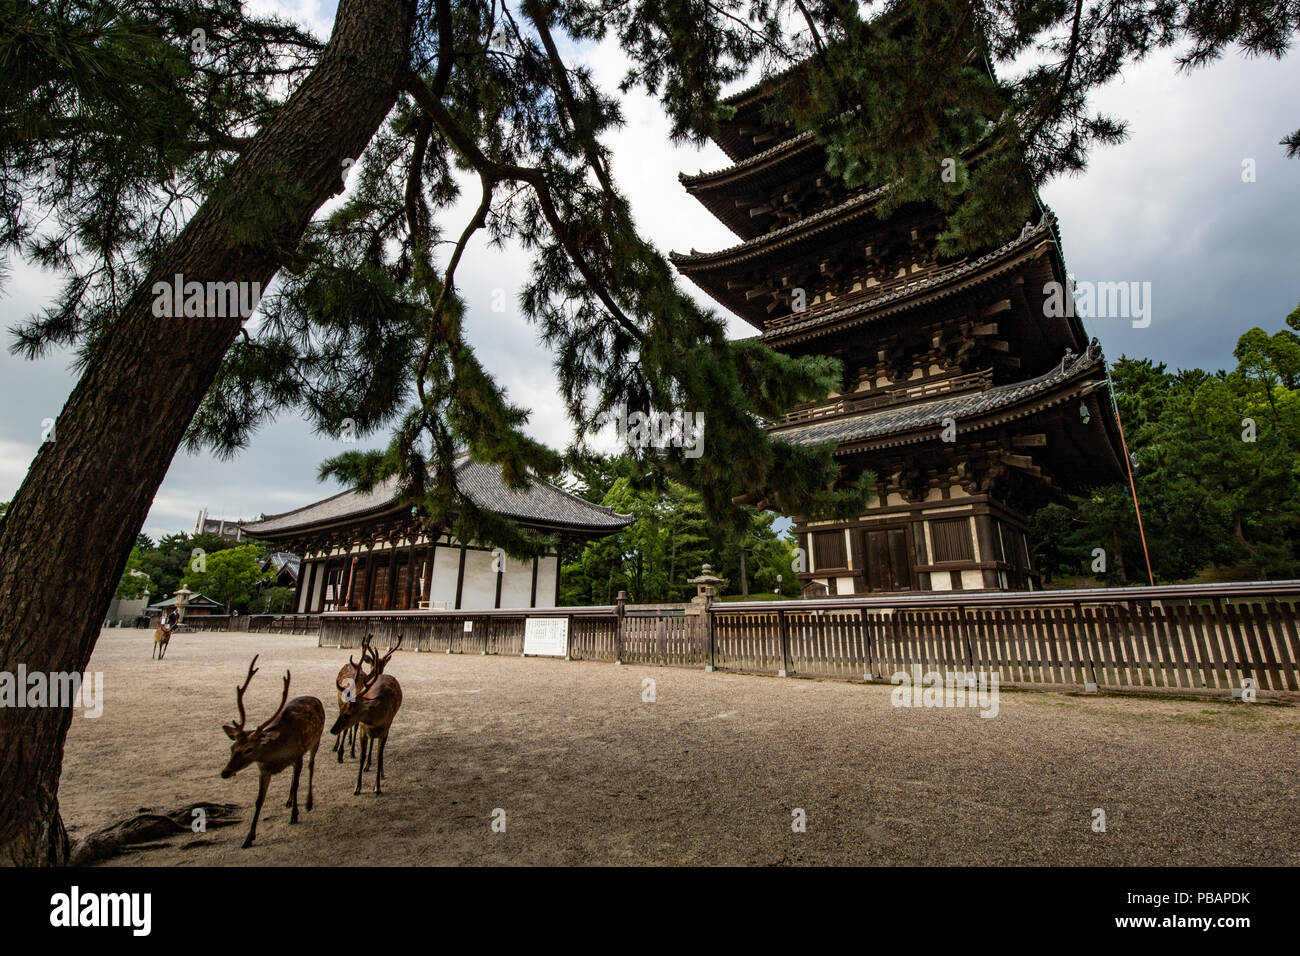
(1168, 207)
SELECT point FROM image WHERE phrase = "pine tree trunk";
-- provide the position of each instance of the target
(66, 538)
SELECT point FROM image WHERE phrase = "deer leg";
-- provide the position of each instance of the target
(311, 773)
(354, 740)
(263, 781)
(293, 790)
(360, 764)
(379, 771)
(340, 741)
(370, 751)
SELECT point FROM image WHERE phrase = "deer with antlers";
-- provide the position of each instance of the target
(346, 683)
(373, 705)
(279, 741)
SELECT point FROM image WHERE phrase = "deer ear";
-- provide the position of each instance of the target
(231, 731)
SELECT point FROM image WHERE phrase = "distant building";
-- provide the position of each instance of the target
(285, 568)
(368, 552)
(231, 530)
(199, 606)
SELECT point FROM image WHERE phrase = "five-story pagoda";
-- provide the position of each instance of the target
(969, 404)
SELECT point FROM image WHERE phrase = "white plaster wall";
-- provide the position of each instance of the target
(972, 580)
(547, 568)
(517, 583)
(480, 588)
(305, 574)
(445, 565)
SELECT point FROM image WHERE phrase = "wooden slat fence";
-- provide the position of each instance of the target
(1202, 638)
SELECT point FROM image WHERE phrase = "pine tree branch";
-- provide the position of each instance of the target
(535, 177)
(1066, 74)
(581, 129)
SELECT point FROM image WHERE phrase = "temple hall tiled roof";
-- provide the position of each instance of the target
(483, 484)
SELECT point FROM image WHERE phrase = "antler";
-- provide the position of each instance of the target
(239, 692)
(365, 649)
(283, 697)
(391, 651)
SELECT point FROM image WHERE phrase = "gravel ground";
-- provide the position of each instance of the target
(710, 772)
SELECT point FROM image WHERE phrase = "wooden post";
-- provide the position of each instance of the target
(1081, 624)
(618, 626)
(460, 577)
(708, 629)
(390, 601)
(785, 645)
(408, 592)
(426, 585)
(303, 569)
(869, 674)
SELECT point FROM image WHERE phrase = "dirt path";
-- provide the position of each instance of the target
(708, 773)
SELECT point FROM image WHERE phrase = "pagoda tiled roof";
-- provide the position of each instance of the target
(809, 225)
(791, 145)
(933, 281)
(921, 421)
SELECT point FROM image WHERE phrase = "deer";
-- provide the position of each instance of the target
(161, 637)
(373, 706)
(282, 739)
(346, 683)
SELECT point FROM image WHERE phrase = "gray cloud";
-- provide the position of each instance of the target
(1168, 207)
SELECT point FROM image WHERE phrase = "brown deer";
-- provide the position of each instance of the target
(349, 678)
(282, 739)
(161, 637)
(373, 706)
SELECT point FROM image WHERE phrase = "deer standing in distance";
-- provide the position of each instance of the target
(282, 739)
(349, 678)
(373, 707)
(161, 637)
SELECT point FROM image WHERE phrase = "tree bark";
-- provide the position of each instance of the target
(69, 530)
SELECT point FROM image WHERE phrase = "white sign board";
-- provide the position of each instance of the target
(546, 637)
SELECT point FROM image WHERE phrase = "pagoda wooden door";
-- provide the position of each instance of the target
(888, 553)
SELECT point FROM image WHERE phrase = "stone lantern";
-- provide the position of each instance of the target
(182, 598)
(706, 581)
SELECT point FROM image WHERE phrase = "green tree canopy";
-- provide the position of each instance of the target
(229, 577)
(1218, 477)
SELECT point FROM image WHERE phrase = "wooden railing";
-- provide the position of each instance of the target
(283, 623)
(1182, 638)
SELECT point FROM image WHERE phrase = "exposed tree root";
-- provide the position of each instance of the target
(149, 830)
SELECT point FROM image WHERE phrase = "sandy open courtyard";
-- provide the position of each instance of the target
(710, 772)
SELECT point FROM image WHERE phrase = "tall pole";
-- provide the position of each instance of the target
(1128, 464)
